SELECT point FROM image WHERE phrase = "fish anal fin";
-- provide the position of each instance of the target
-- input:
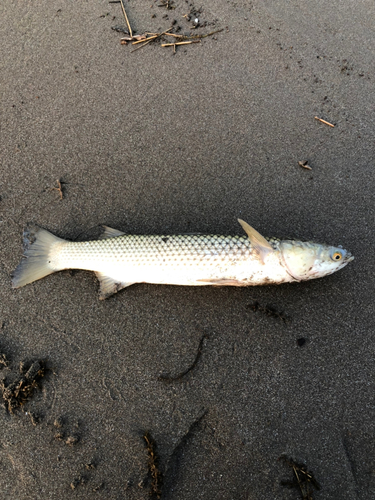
(223, 282)
(109, 285)
(109, 232)
(260, 245)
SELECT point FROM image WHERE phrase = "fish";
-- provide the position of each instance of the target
(120, 260)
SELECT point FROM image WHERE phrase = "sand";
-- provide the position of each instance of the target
(155, 142)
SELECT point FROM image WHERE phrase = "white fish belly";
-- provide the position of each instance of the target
(176, 260)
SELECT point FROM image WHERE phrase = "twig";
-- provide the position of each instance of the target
(126, 18)
(176, 36)
(323, 121)
(59, 189)
(152, 39)
(208, 34)
(148, 41)
(144, 40)
(298, 480)
(188, 40)
(303, 479)
(136, 37)
(179, 43)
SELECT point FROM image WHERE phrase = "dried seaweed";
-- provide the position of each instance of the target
(153, 467)
(21, 390)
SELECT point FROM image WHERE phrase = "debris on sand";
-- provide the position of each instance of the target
(21, 389)
(59, 188)
(304, 164)
(168, 4)
(126, 18)
(3, 361)
(268, 311)
(323, 121)
(161, 37)
(170, 378)
(302, 480)
(148, 37)
(72, 440)
(153, 467)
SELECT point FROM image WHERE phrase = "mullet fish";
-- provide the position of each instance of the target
(119, 259)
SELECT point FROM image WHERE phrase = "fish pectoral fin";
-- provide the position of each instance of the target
(109, 232)
(258, 242)
(109, 286)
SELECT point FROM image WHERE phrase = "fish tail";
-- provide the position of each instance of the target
(37, 262)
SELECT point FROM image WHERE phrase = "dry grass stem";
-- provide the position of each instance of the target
(59, 189)
(158, 35)
(207, 34)
(176, 36)
(126, 18)
(145, 43)
(145, 39)
(179, 43)
(323, 121)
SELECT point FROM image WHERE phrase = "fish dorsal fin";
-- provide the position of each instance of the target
(259, 243)
(109, 286)
(110, 233)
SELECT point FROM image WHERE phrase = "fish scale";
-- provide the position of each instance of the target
(120, 260)
(163, 250)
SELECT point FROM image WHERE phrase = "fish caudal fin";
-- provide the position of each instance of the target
(36, 263)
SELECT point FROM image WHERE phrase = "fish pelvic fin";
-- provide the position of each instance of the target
(258, 242)
(36, 263)
(109, 285)
(109, 232)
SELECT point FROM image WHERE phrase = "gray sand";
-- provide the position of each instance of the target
(151, 142)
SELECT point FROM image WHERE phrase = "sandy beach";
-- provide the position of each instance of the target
(186, 393)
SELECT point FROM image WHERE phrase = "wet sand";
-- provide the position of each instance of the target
(155, 142)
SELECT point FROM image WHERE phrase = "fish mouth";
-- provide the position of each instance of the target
(349, 257)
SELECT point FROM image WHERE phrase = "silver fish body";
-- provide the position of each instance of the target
(120, 260)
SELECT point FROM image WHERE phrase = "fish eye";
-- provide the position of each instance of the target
(337, 256)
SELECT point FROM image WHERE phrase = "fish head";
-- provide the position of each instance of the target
(308, 260)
